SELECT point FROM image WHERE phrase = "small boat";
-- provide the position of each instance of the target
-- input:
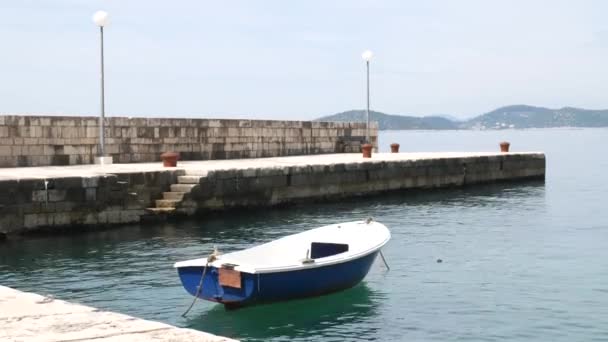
(312, 263)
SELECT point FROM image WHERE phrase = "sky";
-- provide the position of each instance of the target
(300, 60)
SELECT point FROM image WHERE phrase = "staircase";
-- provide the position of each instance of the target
(171, 199)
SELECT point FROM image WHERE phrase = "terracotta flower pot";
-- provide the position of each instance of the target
(169, 159)
(367, 150)
(504, 146)
(394, 148)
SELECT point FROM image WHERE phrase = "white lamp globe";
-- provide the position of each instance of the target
(367, 55)
(100, 18)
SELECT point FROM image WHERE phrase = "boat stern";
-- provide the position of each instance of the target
(221, 285)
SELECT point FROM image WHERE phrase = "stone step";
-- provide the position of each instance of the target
(160, 211)
(173, 195)
(188, 179)
(200, 173)
(182, 187)
(167, 203)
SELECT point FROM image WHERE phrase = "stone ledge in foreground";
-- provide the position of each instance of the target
(30, 317)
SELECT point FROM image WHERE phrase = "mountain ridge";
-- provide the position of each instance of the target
(513, 116)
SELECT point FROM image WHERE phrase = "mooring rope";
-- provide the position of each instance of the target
(199, 288)
(383, 259)
(368, 221)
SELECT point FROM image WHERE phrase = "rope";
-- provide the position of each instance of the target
(46, 299)
(385, 263)
(368, 221)
(199, 288)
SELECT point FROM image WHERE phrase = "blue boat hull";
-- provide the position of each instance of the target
(279, 286)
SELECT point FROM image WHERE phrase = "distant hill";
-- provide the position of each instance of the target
(518, 116)
(522, 116)
(394, 122)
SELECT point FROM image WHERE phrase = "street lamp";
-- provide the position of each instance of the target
(367, 56)
(100, 18)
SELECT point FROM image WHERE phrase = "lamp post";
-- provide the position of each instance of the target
(100, 18)
(367, 57)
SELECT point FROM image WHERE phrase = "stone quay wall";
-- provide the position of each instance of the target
(80, 202)
(67, 140)
(29, 204)
(224, 189)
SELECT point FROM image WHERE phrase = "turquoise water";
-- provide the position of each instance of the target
(521, 262)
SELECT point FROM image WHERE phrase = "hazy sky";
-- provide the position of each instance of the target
(302, 59)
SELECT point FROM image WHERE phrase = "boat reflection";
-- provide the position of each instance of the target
(292, 319)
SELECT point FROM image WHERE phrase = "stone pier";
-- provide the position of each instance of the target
(78, 196)
(30, 317)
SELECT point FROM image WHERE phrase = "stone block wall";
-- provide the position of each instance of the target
(54, 140)
(28, 204)
(224, 189)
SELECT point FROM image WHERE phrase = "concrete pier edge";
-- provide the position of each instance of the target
(31, 317)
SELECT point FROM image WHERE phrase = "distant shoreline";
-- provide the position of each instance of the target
(565, 128)
(509, 117)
